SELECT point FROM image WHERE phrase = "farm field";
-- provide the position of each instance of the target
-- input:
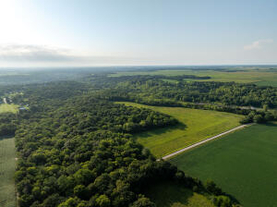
(243, 164)
(171, 195)
(8, 108)
(195, 125)
(262, 77)
(7, 170)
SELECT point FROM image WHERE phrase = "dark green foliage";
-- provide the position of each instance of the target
(212, 188)
(78, 153)
(7, 124)
(143, 202)
(222, 201)
(258, 119)
(76, 149)
(103, 201)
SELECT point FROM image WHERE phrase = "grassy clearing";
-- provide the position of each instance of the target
(263, 77)
(7, 170)
(8, 108)
(243, 164)
(196, 125)
(171, 195)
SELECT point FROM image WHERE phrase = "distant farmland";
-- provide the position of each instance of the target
(243, 164)
(7, 170)
(262, 77)
(196, 125)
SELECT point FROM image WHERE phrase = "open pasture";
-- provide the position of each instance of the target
(195, 125)
(7, 170)
(8, 108)
(243, 164)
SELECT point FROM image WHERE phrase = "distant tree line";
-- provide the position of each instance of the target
(227, 93)
(221, 96)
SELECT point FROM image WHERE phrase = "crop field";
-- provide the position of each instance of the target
(8, 108)
(243, 164)
(263, 77)
(195, 125)
(7, 170)
(171, 195)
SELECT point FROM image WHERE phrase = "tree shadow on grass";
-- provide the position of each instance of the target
(6, 137)
(159, 131)
(165, 194)
(272, 124)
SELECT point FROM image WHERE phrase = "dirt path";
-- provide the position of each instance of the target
(204, 141)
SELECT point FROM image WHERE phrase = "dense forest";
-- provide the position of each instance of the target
(75, 148)
(78, 153)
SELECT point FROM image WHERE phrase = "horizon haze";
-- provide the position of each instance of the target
(62, 33)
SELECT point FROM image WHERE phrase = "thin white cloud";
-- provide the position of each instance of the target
(43, 54)
(257, 44)
(34, 53)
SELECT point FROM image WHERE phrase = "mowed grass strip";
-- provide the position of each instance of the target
(195, 125)
(243, 164)
(7, 170)
(8, 108)
(168, 194)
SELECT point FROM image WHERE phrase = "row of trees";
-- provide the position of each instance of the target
(260, 117)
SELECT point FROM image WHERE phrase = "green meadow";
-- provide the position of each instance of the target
(243, 164)
(7, 170)
(8, 108)
(7, 164)
(195, 125)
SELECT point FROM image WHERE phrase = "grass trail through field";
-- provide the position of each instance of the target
(195, 125)
(204, 141)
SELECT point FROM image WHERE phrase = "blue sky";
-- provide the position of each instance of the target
(137, 32)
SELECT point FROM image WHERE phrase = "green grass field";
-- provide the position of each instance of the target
(8, 108)
(171, 195)
(196, 125)
(7, 170)
(243, 164)
(263, 77)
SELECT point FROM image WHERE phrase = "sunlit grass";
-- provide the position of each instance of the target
(13, 108)
(195, 125)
